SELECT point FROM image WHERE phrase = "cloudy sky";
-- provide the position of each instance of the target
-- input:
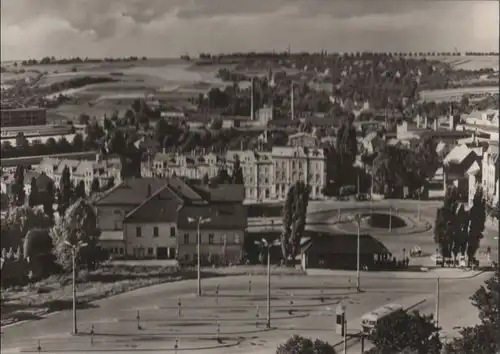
(163, 28)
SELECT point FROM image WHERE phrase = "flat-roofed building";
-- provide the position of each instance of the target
(20, 117)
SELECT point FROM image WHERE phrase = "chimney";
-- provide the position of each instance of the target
(149, 191)
(435, 124)
(418, 121)
(425, 122)
(451, 123)
(252, 108)
(292, 101)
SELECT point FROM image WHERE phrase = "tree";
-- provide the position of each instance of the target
(482, 338)
(76, 227)
(80, 190)
(407, 331)
(205, 179)
(37, 250)
(117, 143)
(19, 221)
(95, 187)
(347, 149)
(83, 119)
(64, 191)
(18, 186)
(237, 172)
(477, 215)
(300, 345)
(294, 219)
(445, 224)
(78, 142)
(34, 198)
(48, 200)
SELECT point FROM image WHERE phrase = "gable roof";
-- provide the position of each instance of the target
(222, 217)
(132, 191)
(161, 207)
(457, 154)
(220, 193)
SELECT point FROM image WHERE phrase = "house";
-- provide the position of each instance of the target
(490, 172)
(42, 181)
(456, 167)
(115, 204)
(303, 140)
(222, 234)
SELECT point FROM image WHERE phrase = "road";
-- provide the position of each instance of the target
(323, 215)
(115, 324)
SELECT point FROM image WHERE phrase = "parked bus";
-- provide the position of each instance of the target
(370, 320)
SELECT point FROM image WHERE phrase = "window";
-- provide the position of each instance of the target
(172, 231)
(186, 239)
(150, 251)
(210, 239)
(121, 250)
(155, 231)
(138, 231)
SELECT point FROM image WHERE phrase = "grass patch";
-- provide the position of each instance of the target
(55, 293)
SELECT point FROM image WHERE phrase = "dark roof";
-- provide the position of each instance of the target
(344, 244)
(445, 134)
(132, 191)
(161, 207)
(184, 191)
(220, 193)
(222, 217)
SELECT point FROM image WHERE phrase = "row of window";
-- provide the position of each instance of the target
(211, 239)
(156, 231)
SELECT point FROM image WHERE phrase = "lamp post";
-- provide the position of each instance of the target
(358, 221)
(199, 221)
(268, 245)
(74, 250)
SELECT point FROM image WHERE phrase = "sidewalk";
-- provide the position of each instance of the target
(442, 273)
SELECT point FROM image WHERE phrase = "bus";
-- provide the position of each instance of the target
(370, 320)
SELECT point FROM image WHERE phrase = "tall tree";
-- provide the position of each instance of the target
(34, 198)
(477, 214)
(18, 187)
(237, 172)
(445, 224)
(48, 200)
(294, 219)
(94, 187)
(65, 192)
(80, 190)
(19, 221)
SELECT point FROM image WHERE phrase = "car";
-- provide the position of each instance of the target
(362, 196)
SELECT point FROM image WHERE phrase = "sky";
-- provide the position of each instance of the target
(169, 28)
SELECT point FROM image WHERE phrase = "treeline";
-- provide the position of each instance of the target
(25, 148)
(77, 60)
(282, 54)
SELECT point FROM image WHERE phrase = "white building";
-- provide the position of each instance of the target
(490, 173)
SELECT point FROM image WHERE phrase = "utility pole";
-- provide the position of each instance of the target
(358, 285)
(268, 324)
(437, 302)
(199, 221)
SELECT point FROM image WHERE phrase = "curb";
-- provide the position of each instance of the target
(391, 276)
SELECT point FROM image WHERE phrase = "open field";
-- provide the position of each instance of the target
(473, 63)
(456, 93)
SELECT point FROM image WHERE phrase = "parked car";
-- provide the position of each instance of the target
(362, 196)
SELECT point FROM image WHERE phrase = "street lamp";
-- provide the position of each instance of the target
(74, 250)
(199, 221)
(268, 245)
(358, 221)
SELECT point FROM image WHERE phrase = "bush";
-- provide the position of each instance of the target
(301, 345)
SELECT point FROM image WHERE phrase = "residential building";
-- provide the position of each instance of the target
(116, 204)
(457, 168)
(19, 117)
(222, 234)
(490, 172)
(303, 140)
(102, 169)
(42, 181)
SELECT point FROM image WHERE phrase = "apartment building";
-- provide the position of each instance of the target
(490, 172)
(103, 169)
(19, 117)
(157, 218)
(191, 166)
